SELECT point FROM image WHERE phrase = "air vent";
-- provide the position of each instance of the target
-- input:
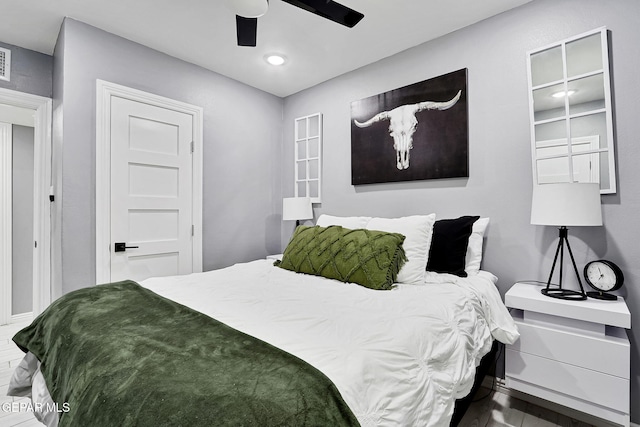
(5, 64)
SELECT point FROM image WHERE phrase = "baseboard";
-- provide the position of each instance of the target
(21, 318)
(498, 384)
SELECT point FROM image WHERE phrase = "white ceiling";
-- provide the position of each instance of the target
(203, 32)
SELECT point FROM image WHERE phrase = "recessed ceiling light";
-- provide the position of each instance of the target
(275, 59)
(561, 93)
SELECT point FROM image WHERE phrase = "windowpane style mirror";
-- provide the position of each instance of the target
(308, 157)
(570, 112)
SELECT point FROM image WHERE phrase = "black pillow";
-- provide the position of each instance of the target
(449, 245)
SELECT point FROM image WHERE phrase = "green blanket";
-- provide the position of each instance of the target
(121, 355)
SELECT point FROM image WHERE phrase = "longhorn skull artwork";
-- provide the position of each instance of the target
(426, 122)
(403, 123)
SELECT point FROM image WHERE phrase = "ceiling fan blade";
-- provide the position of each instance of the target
(246, 30)
(330, 10)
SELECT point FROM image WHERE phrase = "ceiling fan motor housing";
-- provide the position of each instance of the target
(248, 12)
(249, 8)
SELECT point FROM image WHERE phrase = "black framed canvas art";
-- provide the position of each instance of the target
(415, 132)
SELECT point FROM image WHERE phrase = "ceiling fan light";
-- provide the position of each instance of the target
(249, 8)
(275, 59)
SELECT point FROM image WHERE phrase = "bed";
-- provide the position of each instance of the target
(394, 357)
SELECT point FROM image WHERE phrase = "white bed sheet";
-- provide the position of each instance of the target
(27, 381)
(398, 357)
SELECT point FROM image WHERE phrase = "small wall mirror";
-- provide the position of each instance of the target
(308, 157)
(570, 112)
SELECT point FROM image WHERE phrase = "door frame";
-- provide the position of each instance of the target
(104, 92)
(42, 108)
(6, 222)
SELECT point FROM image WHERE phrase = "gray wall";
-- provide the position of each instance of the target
(22, 220)
(242, 149)
(31, 72)
(56, 164)
(500, 181)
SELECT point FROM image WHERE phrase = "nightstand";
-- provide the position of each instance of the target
(574, 353)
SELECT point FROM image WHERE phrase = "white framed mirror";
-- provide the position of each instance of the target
(571, 113)
(308, 157)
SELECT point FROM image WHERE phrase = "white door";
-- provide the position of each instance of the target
(5, 221)
(32, 111)
(586, 167)
(151, 191)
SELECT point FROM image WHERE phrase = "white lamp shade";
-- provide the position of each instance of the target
(294, 208)
(566, 204)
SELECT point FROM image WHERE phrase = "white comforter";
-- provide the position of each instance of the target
(398, 357)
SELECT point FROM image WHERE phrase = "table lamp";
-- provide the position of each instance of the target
(562, 205)
(296, 208)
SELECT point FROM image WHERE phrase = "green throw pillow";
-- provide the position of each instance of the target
(367, 257)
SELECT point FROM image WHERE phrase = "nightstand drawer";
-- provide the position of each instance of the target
(608, 354)
(585, 384)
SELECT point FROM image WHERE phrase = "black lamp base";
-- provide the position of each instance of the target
(559, 292)
(564, 294)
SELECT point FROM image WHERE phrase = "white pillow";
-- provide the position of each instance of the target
(418, 230)
(473, 258)
(351, 222)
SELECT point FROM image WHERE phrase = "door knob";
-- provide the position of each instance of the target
(122, 246)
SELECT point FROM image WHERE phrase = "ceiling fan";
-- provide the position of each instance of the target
(248, 12)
